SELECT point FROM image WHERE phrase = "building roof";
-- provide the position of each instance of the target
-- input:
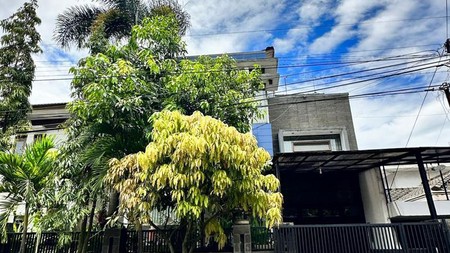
(358, 160)
(243, 56)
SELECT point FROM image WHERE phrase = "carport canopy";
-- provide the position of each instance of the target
(362, 160)
(358, 160)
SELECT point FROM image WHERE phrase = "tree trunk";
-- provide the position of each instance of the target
(23, 243)
(170, 243)
(140, 235)
(38, 241)
(186, 246)
(113, 203)
(90, 222)
(82, 237)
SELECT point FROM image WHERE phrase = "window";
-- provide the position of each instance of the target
(37, 137)
(312, 140)
(313, 145)
(21, 141)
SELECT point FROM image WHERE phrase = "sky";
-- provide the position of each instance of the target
(324, 46)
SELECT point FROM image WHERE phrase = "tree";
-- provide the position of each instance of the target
(196, 165)
(215, 87)
(117, 91)
(23, 178)
(19, 42)
(115, 19)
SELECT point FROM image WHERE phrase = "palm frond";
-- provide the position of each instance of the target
(73, 26)
(39, 158)
(116, 23)
(11, 167)
(7, 208)
(171, 7)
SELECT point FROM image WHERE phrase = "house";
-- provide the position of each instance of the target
(45, 119)
(324, 178)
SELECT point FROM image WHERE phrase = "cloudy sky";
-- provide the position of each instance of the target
(360, 47)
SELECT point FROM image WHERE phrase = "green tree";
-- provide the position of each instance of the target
(113, 19)
(117, 91)
(196, 165)
(23, 178)
(215, 87)
(19, 42)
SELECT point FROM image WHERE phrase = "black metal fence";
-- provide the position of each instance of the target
(154, 241)
(262, 239)
(48, 243)
(376, 238)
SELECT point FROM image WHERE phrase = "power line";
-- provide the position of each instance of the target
(347, 54)
(363, 95)
(355, 82)
(408, 70)
(411, 90)
(304, 65)
(360, 71)
(415, 122)
(210, 71)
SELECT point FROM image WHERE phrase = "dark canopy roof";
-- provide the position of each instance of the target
(358, 160)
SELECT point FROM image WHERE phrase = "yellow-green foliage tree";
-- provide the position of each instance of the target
(196, 165)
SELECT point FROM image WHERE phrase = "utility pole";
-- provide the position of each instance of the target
(445, 87)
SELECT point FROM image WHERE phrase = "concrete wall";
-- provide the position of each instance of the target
(307, 112)
(372, 194)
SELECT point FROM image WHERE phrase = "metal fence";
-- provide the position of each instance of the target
(48, 243)
(156, 241)
(262, 239)
(376, 238)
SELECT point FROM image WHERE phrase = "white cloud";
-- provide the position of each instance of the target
(387, 122)
(214, 16)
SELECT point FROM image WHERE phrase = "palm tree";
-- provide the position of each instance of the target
(78, 23)
(23, 176)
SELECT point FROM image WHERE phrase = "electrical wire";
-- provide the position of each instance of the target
(415, 122)
(210, 71)
(356, 82)
(404, 91)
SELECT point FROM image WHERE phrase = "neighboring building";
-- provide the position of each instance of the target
(406, 196)
(45, 119)
(265, 59)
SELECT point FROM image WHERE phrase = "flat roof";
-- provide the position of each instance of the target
(357, 160)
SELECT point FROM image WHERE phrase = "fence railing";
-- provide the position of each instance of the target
(262, 239)
(48, 243)
(156, 241)
(392, 238)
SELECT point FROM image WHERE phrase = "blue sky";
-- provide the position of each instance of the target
(318, 43)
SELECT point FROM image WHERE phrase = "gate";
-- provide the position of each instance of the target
(356, 238)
